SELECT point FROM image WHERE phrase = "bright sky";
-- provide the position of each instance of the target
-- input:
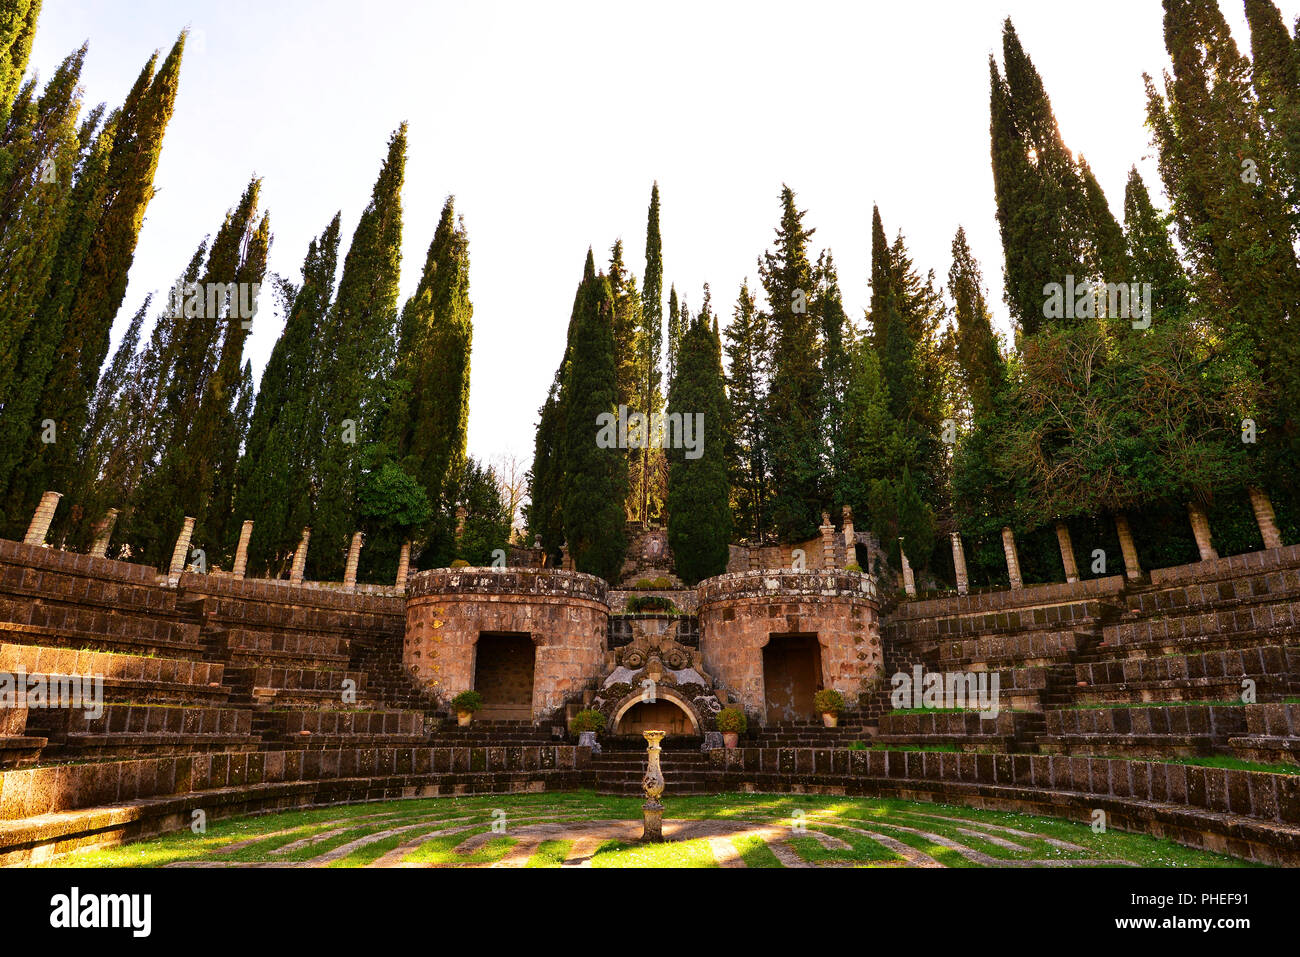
(549, 123)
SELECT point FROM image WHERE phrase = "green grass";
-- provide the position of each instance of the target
(431, 832)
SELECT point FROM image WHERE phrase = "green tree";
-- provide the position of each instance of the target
(595, 470)
(358, 353)
(699, 509)
(747, 349)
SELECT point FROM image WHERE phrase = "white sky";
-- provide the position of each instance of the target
(550, 121)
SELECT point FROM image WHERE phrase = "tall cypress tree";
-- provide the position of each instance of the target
(674, 330)
(595, 477)
(650, 398)
(1235, 227)
(699, 510)
(839, 336)
(1275, 74)
(17, 30)
(1152, 251)
(99, 284)
(358, 353)
(277, 472)
(747, 348)
(430, 428)
(982, 369)
(794, 401)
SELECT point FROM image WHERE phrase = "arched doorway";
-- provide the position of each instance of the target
(667, 712)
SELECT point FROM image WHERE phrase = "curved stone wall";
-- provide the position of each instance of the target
(739, 613)
(564, 613)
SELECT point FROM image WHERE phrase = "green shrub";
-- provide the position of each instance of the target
(470, 701)
(828, 701)
(460, 563)
(853, 567)
(641, 603)
(732, 720)
(589, 719)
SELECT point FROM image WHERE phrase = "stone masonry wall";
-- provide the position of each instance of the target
(739, 613)
(564, 613)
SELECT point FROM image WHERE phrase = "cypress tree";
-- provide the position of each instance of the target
(795, 396)
(358, 354)
(1275, 74)
(980, 360)
(431, 427)
(41, 150)
(838, 334)
(595, 477)
(699, 510)
(100, 283)
(1152, 251)
(1234, 227)
(277, 472)
(674, 330)
(17, 30)
(544, 512)
(647, 491)
(747, 351)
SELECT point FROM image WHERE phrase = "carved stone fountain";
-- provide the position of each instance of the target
(653, 783)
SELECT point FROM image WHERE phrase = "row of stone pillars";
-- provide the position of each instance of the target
(39, 529)
(1259, 500)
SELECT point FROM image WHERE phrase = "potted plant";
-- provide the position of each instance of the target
(830, 703)
(465, 704)
(732, 723)
(586, 724)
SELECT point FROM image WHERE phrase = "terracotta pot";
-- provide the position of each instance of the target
(731, 738)
(830, 720)
(463, 718)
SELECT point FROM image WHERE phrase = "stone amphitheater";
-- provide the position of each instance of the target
(1166, 701)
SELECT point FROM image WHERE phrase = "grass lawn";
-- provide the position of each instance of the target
(581, 828)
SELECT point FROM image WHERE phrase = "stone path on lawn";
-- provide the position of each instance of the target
(813, 841)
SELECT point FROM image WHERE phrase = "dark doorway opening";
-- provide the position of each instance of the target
(792, 673)
(503, 675)
(659, 715)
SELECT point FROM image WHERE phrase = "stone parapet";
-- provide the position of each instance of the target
(786, 583)
(549, 582)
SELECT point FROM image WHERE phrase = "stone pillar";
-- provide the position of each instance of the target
(1013, 559)
(1201, 529)
(828, 542)
(300, 558)
(850, 538)
(1265, 518)
(909, 579)
(959, 564)
(1067, 553)
(181, 550)
(241, 550)
(103, 532)
(1132, 569)
(403, 566)
(41, 519)
(354, 559)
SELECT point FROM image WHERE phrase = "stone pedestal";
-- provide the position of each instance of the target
(959, 564)
(909, 579)
(1201, 529)
(1013, 558)
(1067, 553)
(300, 558)
(241, 550)
(103, 532)
(850, 538)
(1265, 518)
(828, 541)
(41, 519)
(653, 784)
(1132, 570)
(354, 559)
(181, 550)
(403, 566)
